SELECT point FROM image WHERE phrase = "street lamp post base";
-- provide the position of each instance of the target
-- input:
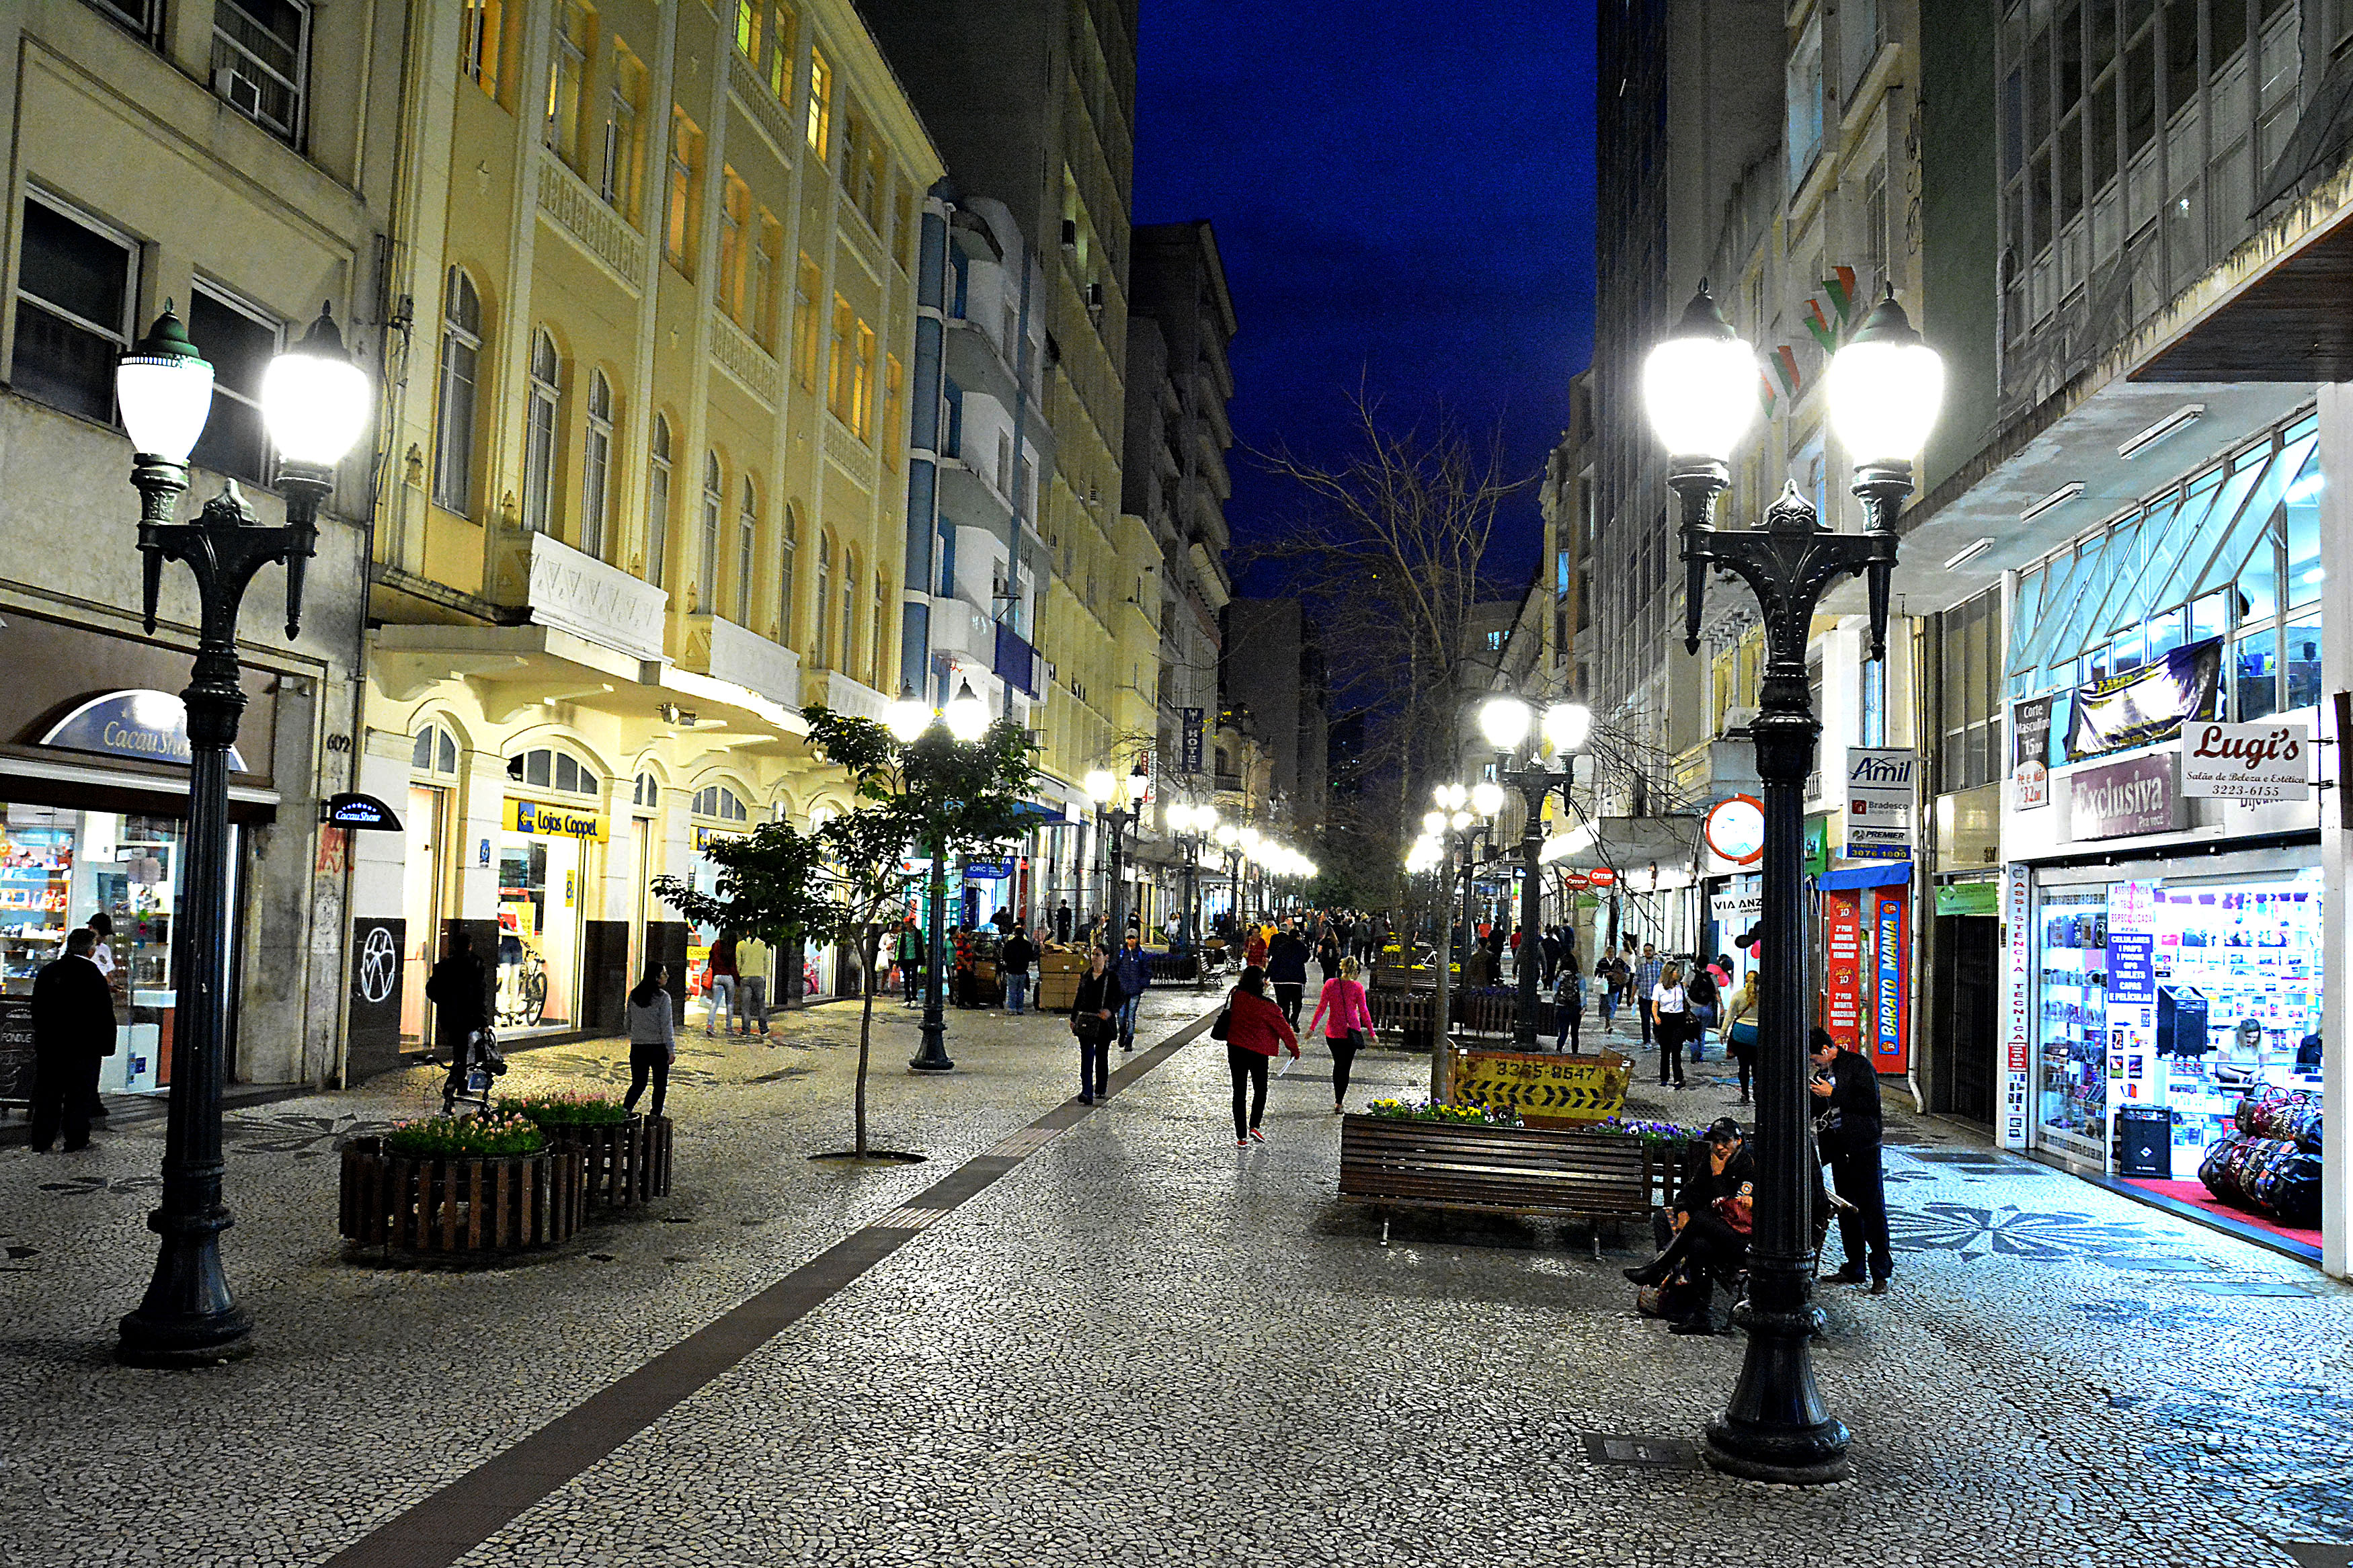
(188, 1317)
(934, 1055)
(1775, 1429)
(180, 1342)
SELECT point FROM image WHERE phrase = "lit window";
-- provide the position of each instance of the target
(820, 106)
(780, 58)
(861, 389)
(260, 57)
(747, 28)
(75, 284)
(453, 436)
(597, 466)
(567, 72)
(539, 435)
(839, 376)
(482, 32)
(618, 181)
(685, 164)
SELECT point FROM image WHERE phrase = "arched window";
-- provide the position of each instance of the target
(719, 802)
(647, 791)
(747, 517)
(785, 584)
(539, 436)
(453, 433)
(706, 591)
(435, 752)
(657, 504)
(545, 768)
(597, 466)
(822, 653)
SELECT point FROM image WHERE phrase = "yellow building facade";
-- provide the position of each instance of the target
(646, 494)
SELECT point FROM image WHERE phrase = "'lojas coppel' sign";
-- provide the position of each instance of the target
(2246, 762)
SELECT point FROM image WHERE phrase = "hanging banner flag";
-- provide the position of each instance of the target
(2029, 753)
(2145, 705)
(1784, 367)
(1839, 287)
(1819, 328)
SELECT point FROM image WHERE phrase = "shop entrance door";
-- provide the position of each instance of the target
(420, 903)
(1965, 999)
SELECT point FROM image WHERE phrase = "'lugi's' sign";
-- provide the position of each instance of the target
(2118, 799)
(2246, 762)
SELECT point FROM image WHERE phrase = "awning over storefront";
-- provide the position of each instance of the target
(1624, 843)
(1894, 874)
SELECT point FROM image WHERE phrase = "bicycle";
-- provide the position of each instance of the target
(484, 1065)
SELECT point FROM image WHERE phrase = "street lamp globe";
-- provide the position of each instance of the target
(1462, 819)
(1098, 786)
(1451, 796)
(1251, 839)
(1226, 834)
(165, 390)
(1699, 386)
(908, 716)
(1487, 797)
(967, 715)
(1205, 817)
(1884, 389)
(1503, 720)
(1433, 822)
(1567, 726)
(314, 399)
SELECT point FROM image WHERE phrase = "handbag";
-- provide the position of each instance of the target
(1355, 1040)
(1223, 1027)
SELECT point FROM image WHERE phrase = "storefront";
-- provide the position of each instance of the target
(549, 855)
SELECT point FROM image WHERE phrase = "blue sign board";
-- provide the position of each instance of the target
(988, 870)
(2132, 974)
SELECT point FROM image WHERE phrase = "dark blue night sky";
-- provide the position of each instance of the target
(1403, 194)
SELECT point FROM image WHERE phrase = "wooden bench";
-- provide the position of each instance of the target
(1595, 1178)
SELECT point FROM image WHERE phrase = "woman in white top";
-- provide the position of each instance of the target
(1671, 1015)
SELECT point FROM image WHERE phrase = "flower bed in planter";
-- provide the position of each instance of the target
(628, 1156)
(461, 1185)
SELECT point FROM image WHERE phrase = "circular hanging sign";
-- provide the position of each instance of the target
(1602, 877)
(1735, 829)
(1576, 880)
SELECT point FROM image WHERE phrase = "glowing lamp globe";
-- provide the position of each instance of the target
(1567, 726)
(1885, 388)
(164, 388)
(966, 715)
(1699, 386)
(908, 716)
(314, 399)
(1487, 797)
(1504, 722)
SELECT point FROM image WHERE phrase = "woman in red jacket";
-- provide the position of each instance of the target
(1255, 1030)
(1347, 1025)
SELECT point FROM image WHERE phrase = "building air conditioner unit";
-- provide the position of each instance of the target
(1094, 297)
(1738, 719)
(240, 92)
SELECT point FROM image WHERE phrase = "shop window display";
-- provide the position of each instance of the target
(2238, 974)
(2073, 1090)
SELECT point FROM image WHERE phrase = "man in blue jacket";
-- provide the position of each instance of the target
(1134, 972)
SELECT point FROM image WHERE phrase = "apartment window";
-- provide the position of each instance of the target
(1805, 102)
(767, 256)
(894, 412)
(747, 539)
(952, 424)
(1004, 464)
(1859, 40)
(839, 374)
(482, 35)
(74, 285)
(861, 388)
(875, 639)
(617, 180)
(904, 228)
(822, 653)
(260, 56)
(539, 435)
(820, 106)
(239, 342)
(781, 57)
(849, 613)
(747, 28)
(596, 464)
(785, 577)
(734, 211)
(1970, 696)
(685, 166)
(1874, 251)
(461, 350)
(806, 288)
(658, 503)
(567, 73)
(145, 18)
(706, 593)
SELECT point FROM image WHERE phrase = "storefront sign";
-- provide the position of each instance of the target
(2116, 799)
(544, 821)
(2018, 1000)
(373, 1038)
(2145, 705)
(1843, 944)
(1735, 829)
(988, 870)
(2246, 762)
(1891, 1034)
(1740, 904)
(359, 812)
(2029, 753)
(148, 726)
(1968, 899)
(1576, 881)
(1191, 741)
(1602, 876)
(1881, 787)
(1818, 844)
(705, 837)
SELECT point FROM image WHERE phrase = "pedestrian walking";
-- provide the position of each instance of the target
(1670, 1021)
(1286, 969)
(1848, 1124)
(754, 959)
(1360, 936)
(1254, 946)
(1647, 971)
(1610, 976)
(908, 950)
(719, 982)
(1094, 1013)
(1132, 968)
(653, 1038)
(459, 989)
(1328, 953)
(1348, 1025)
(1569, 1003)
(73, 1030)
(1255, 1029)
(1740, 1031)
(1062, 922)
(1003, 920)
(1703, 1011)
(1013, 960)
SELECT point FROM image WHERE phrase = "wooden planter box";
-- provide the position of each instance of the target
(503, 1204)
(625, 1161)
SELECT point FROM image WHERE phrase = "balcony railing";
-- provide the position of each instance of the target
(579, 594)
(1016, 661)
(725, 651)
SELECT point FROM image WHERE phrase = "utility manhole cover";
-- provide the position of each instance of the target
(1658, 1453)
(2249, 1287)
(2162, 1265)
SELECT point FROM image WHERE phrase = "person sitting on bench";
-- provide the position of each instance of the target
(1711, 1220)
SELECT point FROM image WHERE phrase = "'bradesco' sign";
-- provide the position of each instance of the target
(542, 820)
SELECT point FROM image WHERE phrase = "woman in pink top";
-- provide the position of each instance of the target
(1349, 1024)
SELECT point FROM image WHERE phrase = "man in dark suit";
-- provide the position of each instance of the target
(73, 1028)
(1846, 1082)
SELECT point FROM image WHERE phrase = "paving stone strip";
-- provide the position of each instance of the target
(449, 1523)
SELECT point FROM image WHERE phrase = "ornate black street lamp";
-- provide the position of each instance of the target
(1510, 726)
(961, 722)
(1192, 824)
(314, 401)
(1700, 387)
(1119, 800)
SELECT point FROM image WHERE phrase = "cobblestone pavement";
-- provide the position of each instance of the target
(1143, 1345)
